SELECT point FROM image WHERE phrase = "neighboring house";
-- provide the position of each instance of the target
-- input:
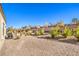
(72, 26)
(2, 24)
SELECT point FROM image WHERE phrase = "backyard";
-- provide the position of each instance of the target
(39, 30)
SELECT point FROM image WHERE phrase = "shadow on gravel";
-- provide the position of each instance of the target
(71, 41)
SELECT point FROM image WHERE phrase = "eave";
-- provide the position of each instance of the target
(1, 10)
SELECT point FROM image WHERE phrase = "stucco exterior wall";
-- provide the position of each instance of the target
(2, 27)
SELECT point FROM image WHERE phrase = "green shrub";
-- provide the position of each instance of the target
(54, 32)
(39, 32)
(77, 33)
(67, 32)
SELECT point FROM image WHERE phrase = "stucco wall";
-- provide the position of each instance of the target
(2, 21)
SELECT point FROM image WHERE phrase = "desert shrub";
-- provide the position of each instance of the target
(77, 33)
(39, 32)
(67, 32)
(17, 36)
(54, 32)
(9, 35)
(29, 32)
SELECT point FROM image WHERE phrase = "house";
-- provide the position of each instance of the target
(2, 24)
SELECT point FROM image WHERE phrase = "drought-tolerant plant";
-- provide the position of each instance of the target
(77, 33)
(54, 31)
(17, 36)
(39, 32)
(29, 32)
(67, 32)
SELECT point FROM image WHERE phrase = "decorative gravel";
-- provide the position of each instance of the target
(33, 46)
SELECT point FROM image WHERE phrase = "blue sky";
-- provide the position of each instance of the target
(19, 14)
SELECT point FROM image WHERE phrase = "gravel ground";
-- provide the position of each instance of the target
(1, 43)
(33, 46)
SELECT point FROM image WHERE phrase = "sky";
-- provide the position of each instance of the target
(24, 14)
